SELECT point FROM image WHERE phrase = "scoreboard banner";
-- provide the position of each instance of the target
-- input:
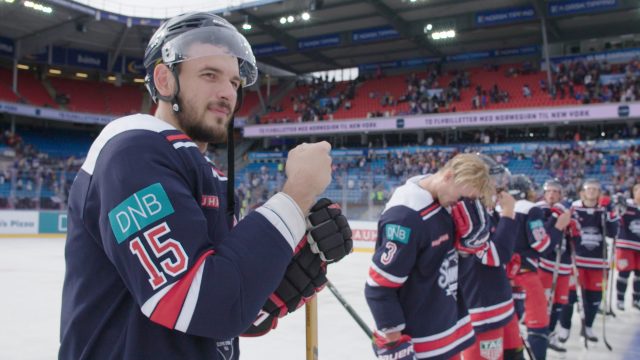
(526, 116)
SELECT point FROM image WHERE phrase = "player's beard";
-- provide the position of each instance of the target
(195, 125)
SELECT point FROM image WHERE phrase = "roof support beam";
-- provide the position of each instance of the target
(287, 40)
(118, 47)
(404, 27)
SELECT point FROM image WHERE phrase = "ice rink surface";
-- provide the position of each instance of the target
(32, 270)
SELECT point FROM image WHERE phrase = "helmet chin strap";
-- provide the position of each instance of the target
(173, 99)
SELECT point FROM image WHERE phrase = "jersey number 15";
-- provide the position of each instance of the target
(173, 267)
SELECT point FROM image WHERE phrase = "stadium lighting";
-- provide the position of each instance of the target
(55, 71)
(22, 67)
(111, 78)
(36, 6)
(305, 16)
(429, 27)
(283, 20)
(138, 80)
(82, 75)
(290, 18)
(441, 35)
(246, 26)
(9, 1)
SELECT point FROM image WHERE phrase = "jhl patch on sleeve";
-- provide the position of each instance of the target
(139, 210)
(397, 233)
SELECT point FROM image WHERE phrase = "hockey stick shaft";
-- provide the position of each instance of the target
(350, 310)
(554, 281)
(605, 280)
(581, 307)
(311, 312)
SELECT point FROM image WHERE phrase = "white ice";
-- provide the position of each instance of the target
(32, 270)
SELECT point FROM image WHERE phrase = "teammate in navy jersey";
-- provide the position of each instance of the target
(589, 258)
(552, 207)
(628, 249)
(533, 237)
(484, 284)
(412, 289)
(156, 267)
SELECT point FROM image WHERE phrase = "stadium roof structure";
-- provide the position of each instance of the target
(338, 33)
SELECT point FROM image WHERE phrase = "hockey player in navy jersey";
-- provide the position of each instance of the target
(483, 279)
(590, 262)
(533, 238)
(156, 266)
(412, 289)
(628, 249)
(548, 267)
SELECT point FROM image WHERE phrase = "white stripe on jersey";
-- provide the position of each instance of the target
(427, 354)
(189, 305)
(118, 126)
(185, 144)
(152, 302)
(386, 275)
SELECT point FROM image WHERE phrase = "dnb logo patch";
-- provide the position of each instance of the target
(397, 233)
(139, 210)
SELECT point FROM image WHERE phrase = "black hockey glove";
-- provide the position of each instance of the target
(329, 231)
(305, 276)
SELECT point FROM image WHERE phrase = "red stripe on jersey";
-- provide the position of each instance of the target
(220, 173)
(381, 280)
(461, 332)
(542, 244)
(488, 314)
(589, 261)
(490, 257)
(627, 244)
(168, 309)
(178, 137)
(429, 209)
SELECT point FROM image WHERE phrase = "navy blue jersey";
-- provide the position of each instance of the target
(154, 267)
(413, 279)
(589, 251)
(483, 279)
(629, 236)
(533, 237)
(548, 260)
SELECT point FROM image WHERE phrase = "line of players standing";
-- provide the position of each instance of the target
(539, 260)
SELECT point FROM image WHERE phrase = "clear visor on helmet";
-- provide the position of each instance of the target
(212, 41)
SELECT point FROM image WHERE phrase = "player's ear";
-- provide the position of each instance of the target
(164, 80)
(448, 175)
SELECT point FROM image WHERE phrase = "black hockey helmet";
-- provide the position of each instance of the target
(172, 44)
(520, 186)
(499, 173)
